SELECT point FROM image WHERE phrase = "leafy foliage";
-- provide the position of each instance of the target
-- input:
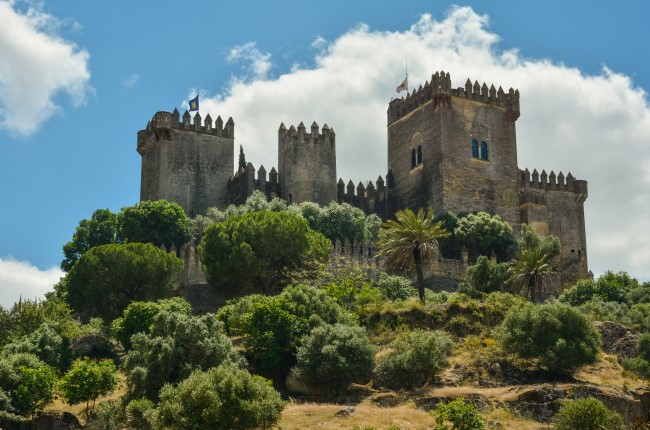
(45, 343)
(157, 222)
(222, 398)
(140, 414)
(257, 249)
(395, 287)
(587, 414)
(138, 316)
(461, 415)
(610, 287)
(175, 345)
(557, 335)
(486, 276)
(410, 239)
(483, 233)
(28, 382)
(333, 356)
(87, 380)
(545, 245)
(413, 360)
(108, 277)
(100, 229)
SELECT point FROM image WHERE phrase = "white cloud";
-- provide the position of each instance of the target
(595, 126)
(131, 80)
(259, 63)
(20, 278)
(36, 65)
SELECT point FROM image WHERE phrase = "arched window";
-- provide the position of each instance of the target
(414, 160)
(420, 154)
(484, 151)
(474, 148)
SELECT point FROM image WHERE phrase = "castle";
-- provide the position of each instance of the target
(451, 149)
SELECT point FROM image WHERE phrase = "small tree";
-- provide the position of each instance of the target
(587, 414)
(100, 229)
(87, 380)
(409, 240)
(333, 356)
(483, 234)
(557, 335)
(531, 273)
(461, 415)
(223, 398)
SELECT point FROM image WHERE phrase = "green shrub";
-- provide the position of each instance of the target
(396, 287)
(557, 335)
(487, 277)
(461, 415)
(587, 414)
(138, 316)
(109, 415)
(598, 310)
(27, 382)
(643, 346)
(637, 365)
(223, 398)
(45, 343)
(413, 360)
(175, 345)
(333, 356)
(140, 414)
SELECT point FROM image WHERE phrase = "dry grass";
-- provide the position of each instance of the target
(608, 372)
(322, 416)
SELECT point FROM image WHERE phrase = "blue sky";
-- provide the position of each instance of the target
(78, 79)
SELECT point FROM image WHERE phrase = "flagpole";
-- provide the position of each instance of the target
(407, 76)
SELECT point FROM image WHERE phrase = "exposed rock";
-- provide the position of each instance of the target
(95, 345)
(45, 421)
(429, 403)
(387, 400)
(344, 412)
(618, 339)
(544, 401)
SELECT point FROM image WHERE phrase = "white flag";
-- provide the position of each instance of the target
(403, 86)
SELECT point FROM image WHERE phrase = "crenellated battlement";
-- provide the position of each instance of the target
(244, 182)
(299, 135)
(542, 181)
(370, 198)
(439, 91)
(165, 121)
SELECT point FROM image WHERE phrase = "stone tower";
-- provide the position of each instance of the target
(187, 163)
(307, 164)
(455, 149)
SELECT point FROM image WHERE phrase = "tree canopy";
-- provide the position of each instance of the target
(483, 233)
(257, 250)
(100, 229)
(108, 277)
(158, 222)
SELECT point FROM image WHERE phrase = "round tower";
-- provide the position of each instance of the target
(307, 163)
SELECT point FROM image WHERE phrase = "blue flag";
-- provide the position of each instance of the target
(194, 103)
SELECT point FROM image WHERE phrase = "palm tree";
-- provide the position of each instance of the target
(530, 272)
(409, 240)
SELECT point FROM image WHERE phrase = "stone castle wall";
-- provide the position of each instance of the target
(187, 163)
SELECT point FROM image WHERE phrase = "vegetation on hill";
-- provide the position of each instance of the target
(346, 331)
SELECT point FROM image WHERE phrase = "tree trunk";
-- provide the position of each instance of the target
(418, 269)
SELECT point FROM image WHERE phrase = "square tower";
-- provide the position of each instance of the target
(455, 149)
(187, 163)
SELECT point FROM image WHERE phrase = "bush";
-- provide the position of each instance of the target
(333, 356)
(175, 345)
(587, 414)
(27, 382)
(487, 277)
(138, 316)
(643, 346)
(413, 360)
(461, 415)
(396, 287)
(140, 414)
(557, 335)
(223, 398)
(45, 343)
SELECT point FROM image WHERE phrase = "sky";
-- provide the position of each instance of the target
(79, 79)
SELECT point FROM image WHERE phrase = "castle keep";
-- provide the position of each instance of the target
(452, 149)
